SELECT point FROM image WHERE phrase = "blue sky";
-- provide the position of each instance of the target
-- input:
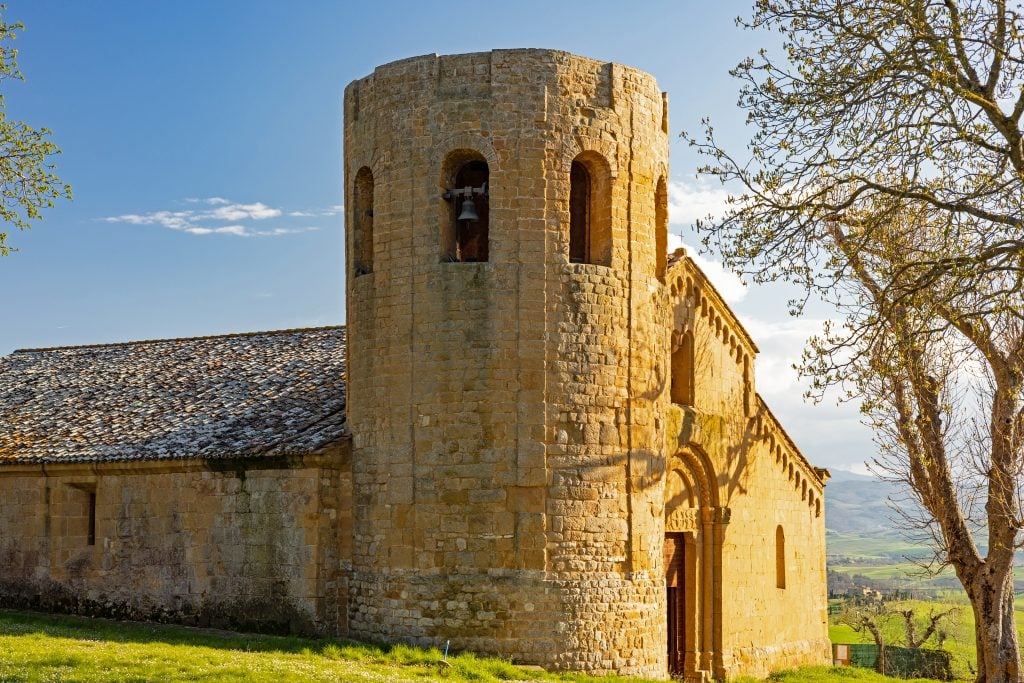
(203, 143)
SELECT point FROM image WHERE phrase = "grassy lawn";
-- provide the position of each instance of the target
(41, 647)
(829, 674)
(38, 647)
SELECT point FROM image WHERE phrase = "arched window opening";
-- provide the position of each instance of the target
(362, 218)
(661, 228)
(780, 557)
(590, 231)
(682, 371)
(465, 229)
(579, 214)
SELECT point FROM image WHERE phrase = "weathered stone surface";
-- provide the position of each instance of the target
(537, 382)
(235, 395)
(253, 547)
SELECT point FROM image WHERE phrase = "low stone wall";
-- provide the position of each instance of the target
(600, 622)
(252, 544)
(761, 660)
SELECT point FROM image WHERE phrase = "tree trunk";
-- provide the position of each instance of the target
(876, 633)
(995, 631)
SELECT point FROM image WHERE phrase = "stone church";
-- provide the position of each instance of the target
(539, 435)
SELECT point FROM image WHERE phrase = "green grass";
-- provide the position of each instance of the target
(904, 572)
(39, 647)
(887, 547)
(960, 643)
(831, 674)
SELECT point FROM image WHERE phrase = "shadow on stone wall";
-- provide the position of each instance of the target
(273, 616)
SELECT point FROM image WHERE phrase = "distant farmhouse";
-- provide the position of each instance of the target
(543, 439)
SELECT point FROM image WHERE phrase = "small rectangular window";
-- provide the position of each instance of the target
(77, 507)
(92, 518)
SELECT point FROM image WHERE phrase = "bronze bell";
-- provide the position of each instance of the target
(468, 211)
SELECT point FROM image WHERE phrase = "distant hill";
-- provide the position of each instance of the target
(865, 536)
(861, 525)
(857, 504)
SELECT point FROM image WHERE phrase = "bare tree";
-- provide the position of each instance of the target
(867, 618)
(933, 623)
(886, 174)
(916, 100)
(879, 618)
(944, 390)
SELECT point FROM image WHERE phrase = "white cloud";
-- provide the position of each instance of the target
(688, 201)
(175, 220)
(828, 433)
(301, 214)
(236, 212)
(242, 231)
(333, 210)
(856, 468)
(781, 343)
(728, 284)
(207, 222)
(239, 230)
(277, 232)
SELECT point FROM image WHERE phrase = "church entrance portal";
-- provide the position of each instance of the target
(694, 525)
(675, 562)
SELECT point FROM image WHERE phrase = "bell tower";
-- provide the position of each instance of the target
(508, 356)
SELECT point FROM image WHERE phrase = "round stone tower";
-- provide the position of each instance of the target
(506, 235)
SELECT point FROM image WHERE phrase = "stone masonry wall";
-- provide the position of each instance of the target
(765, 484)
(490, 403)
(245, 544)
(790, 499)
(513, 428)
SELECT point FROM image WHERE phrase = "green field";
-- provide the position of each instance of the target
(961, 639)
(829, 674)
(39, 647)
(902, 573)
(888, 547)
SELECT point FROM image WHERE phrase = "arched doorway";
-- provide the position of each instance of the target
(689, 546)
(675, 600)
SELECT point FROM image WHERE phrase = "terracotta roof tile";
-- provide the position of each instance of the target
(263, 393)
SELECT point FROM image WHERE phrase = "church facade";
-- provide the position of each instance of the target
(539, 435)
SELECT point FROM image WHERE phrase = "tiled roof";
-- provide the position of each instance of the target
(264, 393)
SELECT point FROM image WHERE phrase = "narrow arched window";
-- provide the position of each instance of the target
(780, 557)
(590, 231)
(362, 218)
(465, 229)
(682, 371)
(661, 228)
(579, 214)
